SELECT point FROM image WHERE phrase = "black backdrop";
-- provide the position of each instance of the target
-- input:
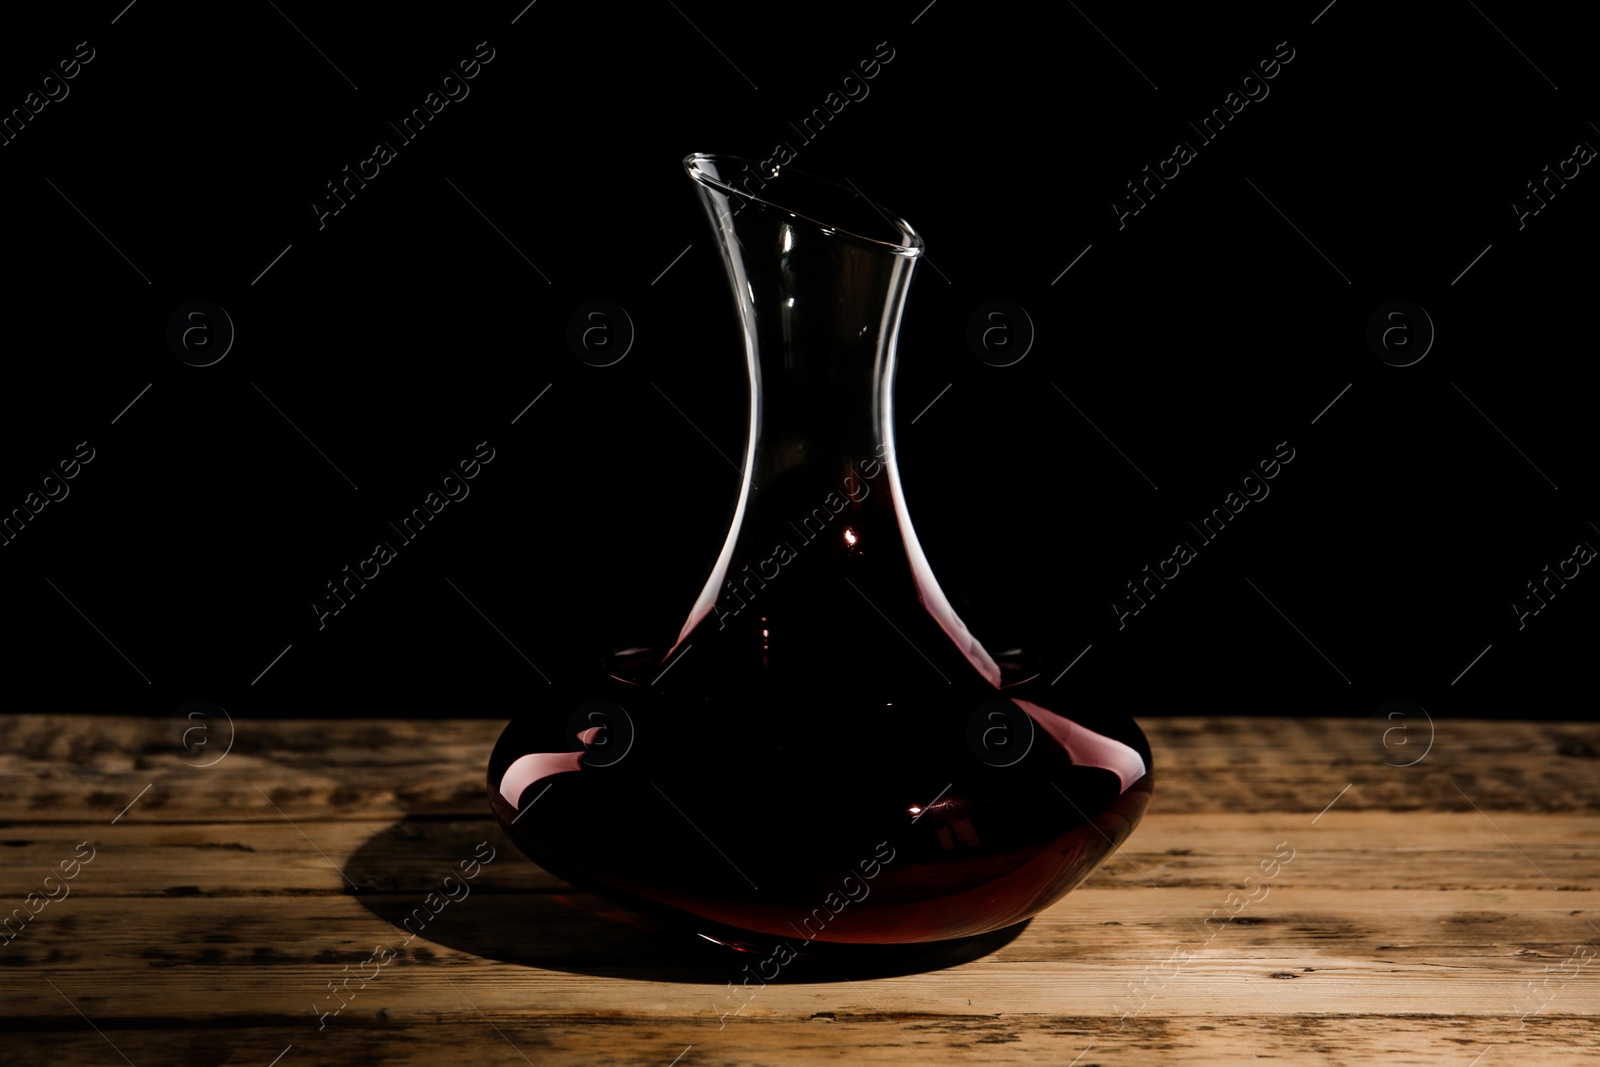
(376, 347)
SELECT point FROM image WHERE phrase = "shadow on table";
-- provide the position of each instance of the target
(515, 912)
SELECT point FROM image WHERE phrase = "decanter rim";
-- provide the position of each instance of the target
(910, 244)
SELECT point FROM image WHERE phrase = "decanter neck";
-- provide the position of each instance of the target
(820, 309)
(819, 306)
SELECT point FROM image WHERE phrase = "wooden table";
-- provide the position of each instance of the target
(1439, 913)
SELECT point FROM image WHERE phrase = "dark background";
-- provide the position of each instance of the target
(414, 325)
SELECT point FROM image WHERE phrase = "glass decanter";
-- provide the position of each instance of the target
(822, 753)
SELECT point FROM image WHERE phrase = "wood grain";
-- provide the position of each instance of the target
(1431, 914)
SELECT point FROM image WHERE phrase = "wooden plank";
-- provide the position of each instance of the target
(1350, 849)
(1308, 950)
(460, 1036)
(88, 769)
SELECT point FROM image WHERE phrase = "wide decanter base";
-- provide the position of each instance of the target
(817, 820)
